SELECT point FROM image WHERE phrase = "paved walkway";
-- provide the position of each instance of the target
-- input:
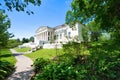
(23, 67)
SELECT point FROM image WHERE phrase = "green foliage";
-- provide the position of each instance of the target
(53, 71)
(25, 40)
(75, 48)
(44, 53)
(24, 49)
(31, 39)
(5, 69)
(72, 48)
(70, 18)
(4, 26)
(103, 12)
(19, 5)
(6, 55)
(39, 64)
(7, 62)
(103, 63)
(85, 35)
(95, 30)
(12, 43)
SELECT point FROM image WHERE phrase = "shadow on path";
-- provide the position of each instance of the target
(17, 54)
(23, 70)
(24, 75)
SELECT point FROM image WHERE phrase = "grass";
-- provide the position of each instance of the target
(7, 62)
(103, 62)
(6, 55)
(44, 53)
(22, 49)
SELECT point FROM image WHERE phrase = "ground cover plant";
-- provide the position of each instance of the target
(102, 63)
(7, 62)
(44, 53)
(24, 49)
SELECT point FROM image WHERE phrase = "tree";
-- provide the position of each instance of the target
(13, 43)
(25, 40)
(31, 39)
(94, 30)
(104, 12)
(4, 34)
(18, 5)
(18, 40)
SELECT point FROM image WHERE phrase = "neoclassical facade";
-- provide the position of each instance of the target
(59, 34)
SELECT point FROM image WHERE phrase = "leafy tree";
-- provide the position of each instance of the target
(104, 12)
(25, 40)
(13, 43)
(4, 34)
(18, 40)
(18, 5)
(31, 39)
(94, 30)
(85, 34)
(70, 18)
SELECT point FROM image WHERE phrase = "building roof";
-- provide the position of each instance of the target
(57, 27)
(60, 26)
(44, 27)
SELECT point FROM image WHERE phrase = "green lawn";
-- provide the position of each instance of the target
(7, 62)
(6, 55)
(22, 49)
(44, 53)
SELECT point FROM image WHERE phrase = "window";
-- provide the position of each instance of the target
(56, 36)
(60, 36)
(69, 34)
(48, 38)
(48, 33)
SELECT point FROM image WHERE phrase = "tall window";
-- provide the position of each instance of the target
(48, 39)
(56, 36)
(48, 33)
(60, 36)
(69, 34)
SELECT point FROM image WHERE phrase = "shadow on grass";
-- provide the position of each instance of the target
(9, 55)
(5, 55)
(17, 54)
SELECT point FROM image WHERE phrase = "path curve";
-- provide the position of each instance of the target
(23, 66)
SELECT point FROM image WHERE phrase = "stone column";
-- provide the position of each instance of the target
(42, 35)
(47, 36)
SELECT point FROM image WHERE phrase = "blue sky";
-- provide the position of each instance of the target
(50, 13)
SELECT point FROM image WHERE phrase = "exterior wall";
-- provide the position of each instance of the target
(44, 35)
(62, 33)
(79, 32)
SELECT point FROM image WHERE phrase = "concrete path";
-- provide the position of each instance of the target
(23, 67)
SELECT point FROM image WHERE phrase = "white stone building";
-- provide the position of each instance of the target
(59, 34)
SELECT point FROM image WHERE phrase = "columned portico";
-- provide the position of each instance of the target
(44, 34)
(62, 33)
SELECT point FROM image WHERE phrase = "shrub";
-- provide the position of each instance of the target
(102, 64)
(5, 69)
(39, 64)
(63, 71)
(71, 47)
